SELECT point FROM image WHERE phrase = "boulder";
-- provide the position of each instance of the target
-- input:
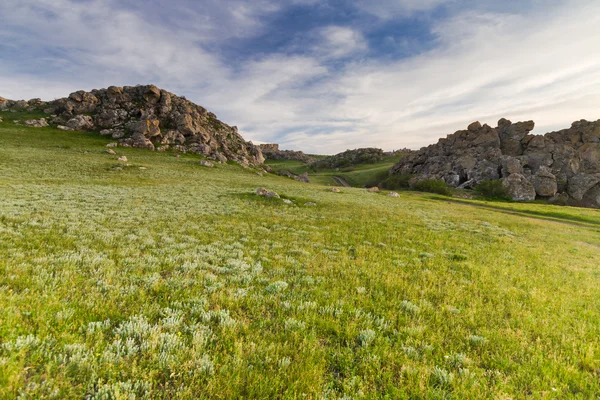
(36, 123)
(519, 188)
(544, 182)
(122, 159)
(580, 184)
(266, 193)
(81, 123)
(393, 194)
(335, 190)
(111, 152)
(302, 178)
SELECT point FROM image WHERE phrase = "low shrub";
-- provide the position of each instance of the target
(492, 189)
(432, 186)
(396, 181)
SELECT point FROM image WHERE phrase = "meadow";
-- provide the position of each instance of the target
(165, 279)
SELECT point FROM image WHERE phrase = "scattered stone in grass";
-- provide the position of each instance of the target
(259, 174)
(452, 310)
(177, 155)
(64, 128)
(266, 193)
(122, 159)
(335, 190)
(310, 204)
(111, 152)
(373, 189)
(37, 123)
(117, 168)
(286, 201)
(393, 194)
(361, 290)
(206, 163)
(114, 144)
(143, 168)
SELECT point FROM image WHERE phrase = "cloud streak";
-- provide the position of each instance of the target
(336, 93)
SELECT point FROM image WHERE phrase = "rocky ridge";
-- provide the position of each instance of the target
(147, 117)
(271, 151)
(561, 166)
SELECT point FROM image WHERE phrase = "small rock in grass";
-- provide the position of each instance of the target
(335, 190)
(122, 159)
(117, 168)
(286, 201)
(393, 194)
(374, 189)
(0, 119)
(37, 123)
(310, 204)
(176, 155)
(64, 128)
(266, 193)
(206, 163)
(143, 168)
(111, 152)
(115, 144)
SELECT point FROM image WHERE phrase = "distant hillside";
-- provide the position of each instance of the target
(146, 117)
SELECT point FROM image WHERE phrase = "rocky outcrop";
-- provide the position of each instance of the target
(148, 117)
(271, 152)
(557, 165)
(350, 158)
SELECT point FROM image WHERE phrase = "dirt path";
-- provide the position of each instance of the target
(340, 181)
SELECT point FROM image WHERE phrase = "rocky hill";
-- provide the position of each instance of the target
(271, 151)
(147, 117)
(351, 157)
(563, 165)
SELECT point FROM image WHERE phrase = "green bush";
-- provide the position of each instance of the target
(492, 189)
(396, 181)
(432, 186)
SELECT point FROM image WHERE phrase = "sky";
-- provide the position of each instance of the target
(320, 76)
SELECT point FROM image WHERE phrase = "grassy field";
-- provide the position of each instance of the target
(166, 280)
(356, 176)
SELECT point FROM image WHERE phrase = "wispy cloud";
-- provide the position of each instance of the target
(536, 62)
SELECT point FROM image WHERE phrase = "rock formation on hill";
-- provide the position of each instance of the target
(148, 117)
(351, 157)
(558, 165)
(271, 152)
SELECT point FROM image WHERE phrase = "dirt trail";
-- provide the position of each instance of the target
(340, 181)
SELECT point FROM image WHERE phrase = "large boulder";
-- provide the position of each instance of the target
(580, 184)
(518, 188)
(81, 123)
(544, 182)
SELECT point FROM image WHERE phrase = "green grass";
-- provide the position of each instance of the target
(356, 176)
(177, 282)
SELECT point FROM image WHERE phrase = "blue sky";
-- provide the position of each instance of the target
(320, 76)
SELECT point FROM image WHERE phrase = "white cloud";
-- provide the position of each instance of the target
(541, 65)
(388, 9)
(338, 41)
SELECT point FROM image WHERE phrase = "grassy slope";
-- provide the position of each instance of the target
(358, 176)
(168, 283)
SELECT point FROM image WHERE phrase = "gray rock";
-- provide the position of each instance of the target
(519, 188)
(111, 151)
(64, 128)
(544, 182)
(310, 204)
(81, 123)
(393, 194)
(302, 178)
(36, 123)
(112, 145)
(206, 163)
(335, 190)
(122, 159)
